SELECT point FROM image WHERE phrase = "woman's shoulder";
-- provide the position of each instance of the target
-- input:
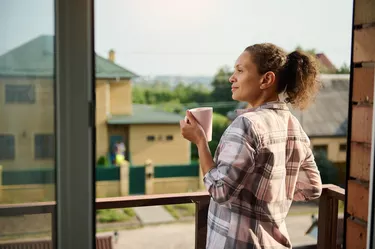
(244, 125)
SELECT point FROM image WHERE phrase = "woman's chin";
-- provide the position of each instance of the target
(236, 97)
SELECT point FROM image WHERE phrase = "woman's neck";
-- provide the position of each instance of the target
(262, 100)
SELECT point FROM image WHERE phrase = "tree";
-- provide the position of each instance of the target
(311, 51)
(222, 89)
(328, 172)
(138, 95)
(344, 69)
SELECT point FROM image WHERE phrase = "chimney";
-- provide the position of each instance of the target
(111, 55)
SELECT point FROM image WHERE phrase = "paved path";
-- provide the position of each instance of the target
(153, 215)
(181, 235)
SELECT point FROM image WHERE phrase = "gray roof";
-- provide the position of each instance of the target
(328, 115)
(144, 114)
(36, 58)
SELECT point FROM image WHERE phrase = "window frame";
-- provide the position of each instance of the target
(14, 146)
(48, 157)
(75, 124)
(17, 101)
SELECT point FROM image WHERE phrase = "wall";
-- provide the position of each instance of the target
(363, 52)
(112, 98)
(121, 97)
(334, 153)
(161, 152)
(27, 193)
(102, 111)
(175, 185)
(24, 120)
(46, 192)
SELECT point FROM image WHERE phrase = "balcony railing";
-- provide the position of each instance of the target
(327, 224)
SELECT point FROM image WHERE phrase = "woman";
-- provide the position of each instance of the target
(264, 160)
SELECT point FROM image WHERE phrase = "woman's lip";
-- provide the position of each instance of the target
(234, 88)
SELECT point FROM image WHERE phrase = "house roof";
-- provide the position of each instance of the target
(328, 114)
(325, 62)
(144, 114)
(36, 58)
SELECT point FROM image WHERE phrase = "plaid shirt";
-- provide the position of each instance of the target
(262, 164)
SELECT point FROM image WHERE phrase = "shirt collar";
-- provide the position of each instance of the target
(274, 105)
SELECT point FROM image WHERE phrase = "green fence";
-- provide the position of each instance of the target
(112, 173)
(176, 171)
(29, 176)
(137, 180)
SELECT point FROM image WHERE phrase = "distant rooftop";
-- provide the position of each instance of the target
(144, 114)
(35, 58)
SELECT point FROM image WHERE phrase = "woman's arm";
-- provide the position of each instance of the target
(225, 177)
(235, 161)
(309, 183)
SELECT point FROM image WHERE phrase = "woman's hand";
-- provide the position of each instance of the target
(192, 130)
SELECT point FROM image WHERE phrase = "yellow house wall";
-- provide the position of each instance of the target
(176, 185)
(334, 153)
(102, 112)
(161, 152)
(46, 192)
(25, 120)
(121, 97)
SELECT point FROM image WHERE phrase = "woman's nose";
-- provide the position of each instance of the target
(231, 79)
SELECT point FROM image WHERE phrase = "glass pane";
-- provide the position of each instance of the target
(156, 59)
(27, 159)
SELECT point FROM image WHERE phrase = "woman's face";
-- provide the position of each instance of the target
(245, 80)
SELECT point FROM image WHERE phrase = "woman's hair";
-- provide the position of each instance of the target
(296, 73)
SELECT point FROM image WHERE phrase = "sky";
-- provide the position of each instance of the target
(195, 37)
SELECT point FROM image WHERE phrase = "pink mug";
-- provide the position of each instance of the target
(203, 115)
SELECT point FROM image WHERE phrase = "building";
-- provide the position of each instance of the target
(27, 90)
(325, 64)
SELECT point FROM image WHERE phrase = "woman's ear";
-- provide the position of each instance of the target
(268, 80)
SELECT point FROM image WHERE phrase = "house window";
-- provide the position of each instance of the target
(342, 147)
(320, 149)
(7, 147)
(150, 138)
(19, 94)
(169, 137)
(44, 146)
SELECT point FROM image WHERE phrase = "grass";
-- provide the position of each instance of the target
(115, 215)
(181, 210)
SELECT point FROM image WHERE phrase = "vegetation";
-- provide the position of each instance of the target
(103, 161)
(328, 172)
(179, 211)
(114, 215)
